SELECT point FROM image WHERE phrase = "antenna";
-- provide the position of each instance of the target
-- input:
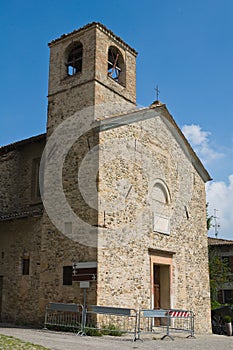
(216, 224)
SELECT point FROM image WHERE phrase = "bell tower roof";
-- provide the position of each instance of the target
(90, 26)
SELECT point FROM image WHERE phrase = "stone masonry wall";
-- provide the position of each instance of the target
(22, 235)
(103, 42)
(16, 181)
(58, 250)
(132, 158)
(9, 165)
(20, 297)
(61, 247)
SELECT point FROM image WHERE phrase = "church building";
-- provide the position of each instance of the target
(112, 198)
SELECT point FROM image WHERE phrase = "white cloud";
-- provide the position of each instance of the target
(200, 141)
(220, 197)
(195, 135)
(219, 193)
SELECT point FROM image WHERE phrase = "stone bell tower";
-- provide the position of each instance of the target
(89, 67)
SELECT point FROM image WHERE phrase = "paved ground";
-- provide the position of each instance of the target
(69, 341)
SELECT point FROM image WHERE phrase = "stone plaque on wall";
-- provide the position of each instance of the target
(161, 224)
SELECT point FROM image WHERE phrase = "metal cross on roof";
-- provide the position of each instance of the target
(157, 92)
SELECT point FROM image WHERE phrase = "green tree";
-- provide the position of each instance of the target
(208, 218)
(219, 273)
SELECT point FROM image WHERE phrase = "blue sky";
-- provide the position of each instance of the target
(184, 46)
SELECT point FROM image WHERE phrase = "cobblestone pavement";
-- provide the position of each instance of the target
(69, 341)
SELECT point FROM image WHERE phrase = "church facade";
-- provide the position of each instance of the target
(111, 191)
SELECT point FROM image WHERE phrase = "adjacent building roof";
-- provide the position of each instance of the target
(15, 145)
(219, 241)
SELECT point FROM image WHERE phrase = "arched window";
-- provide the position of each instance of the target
(116, 68)
(160, 201)
(160, 192)
(74, 59)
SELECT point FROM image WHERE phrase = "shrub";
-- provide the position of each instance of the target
(215, 304)
(92, 332)
(227, 319)
(111, 329)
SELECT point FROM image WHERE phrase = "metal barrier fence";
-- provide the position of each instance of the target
(60, 315)
(117, 321)
(165, 321)
(111, 320)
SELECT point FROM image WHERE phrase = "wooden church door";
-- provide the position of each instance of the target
(156, 286)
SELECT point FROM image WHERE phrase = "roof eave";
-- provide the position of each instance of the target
(88, 27)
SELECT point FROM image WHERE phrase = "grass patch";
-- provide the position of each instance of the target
(11, 343)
